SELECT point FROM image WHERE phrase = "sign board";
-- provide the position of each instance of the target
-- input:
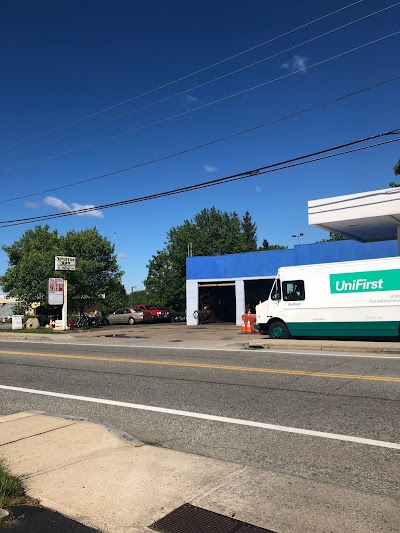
(64, 263)
(16, 322)
(55, 291)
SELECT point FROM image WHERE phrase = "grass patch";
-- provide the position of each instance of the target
(11, 488)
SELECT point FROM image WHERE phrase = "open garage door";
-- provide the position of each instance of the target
(257, 290)
(221, 299)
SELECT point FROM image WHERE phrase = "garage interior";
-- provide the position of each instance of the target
(221, 299)
(257, 290)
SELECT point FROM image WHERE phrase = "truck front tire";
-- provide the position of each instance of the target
(278, 330)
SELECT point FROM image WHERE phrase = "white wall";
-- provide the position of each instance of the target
(240, 303)
(192, 301)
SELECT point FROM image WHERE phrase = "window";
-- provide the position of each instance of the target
(293, 290)
(276, 290)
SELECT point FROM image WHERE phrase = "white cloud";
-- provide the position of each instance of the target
(62, 206)
(190, 99)
(122, 256)
(31, 205)
(210, 168)
(296, 64)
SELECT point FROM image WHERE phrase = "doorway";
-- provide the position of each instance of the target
(221, 299)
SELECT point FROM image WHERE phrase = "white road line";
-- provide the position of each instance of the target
(214, 418)
(230, 350)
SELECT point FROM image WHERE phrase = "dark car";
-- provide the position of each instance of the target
(176, 316)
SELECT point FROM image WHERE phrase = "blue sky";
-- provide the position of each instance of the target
(64, 60)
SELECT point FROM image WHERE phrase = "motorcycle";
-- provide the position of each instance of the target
(86, 321)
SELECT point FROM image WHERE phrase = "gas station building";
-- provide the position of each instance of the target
(370, 220)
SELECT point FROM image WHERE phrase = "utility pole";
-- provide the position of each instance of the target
(133, 287)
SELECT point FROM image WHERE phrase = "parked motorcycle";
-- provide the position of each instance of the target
(86, 321)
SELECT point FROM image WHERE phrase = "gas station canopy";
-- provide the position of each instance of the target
(365, 217)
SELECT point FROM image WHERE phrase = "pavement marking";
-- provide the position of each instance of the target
(194, 348)
(207, 366)
(202, 416)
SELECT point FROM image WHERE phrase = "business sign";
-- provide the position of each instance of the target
(16, 322)
(64, 263)
(370, 281)
(55, 291)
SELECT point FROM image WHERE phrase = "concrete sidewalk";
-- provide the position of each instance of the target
(209, 336)
(86, 472)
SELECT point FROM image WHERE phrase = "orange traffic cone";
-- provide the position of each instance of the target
(244, 330)
(248, 328)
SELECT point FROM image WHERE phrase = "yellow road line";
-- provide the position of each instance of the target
(208, 366)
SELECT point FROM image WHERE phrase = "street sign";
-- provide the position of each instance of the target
(55, 291)
(64, 263)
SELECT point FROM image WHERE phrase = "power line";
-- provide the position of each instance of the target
(183, 77)
(202, 106)
(297, 161)
(221, 139)
(190, 89)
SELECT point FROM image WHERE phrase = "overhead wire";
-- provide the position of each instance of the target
(214, 102)
(274, 167)
(183, 77)
(215, 141)
(218, 78)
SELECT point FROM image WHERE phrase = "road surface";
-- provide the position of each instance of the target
(330, 418)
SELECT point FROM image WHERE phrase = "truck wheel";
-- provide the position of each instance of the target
(278, 330)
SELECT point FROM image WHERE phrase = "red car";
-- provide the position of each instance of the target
(159, 313)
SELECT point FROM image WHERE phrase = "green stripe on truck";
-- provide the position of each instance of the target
(344, 329)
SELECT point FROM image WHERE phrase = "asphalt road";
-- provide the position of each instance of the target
(343, 396)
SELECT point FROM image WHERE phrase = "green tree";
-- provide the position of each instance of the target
(266, 246)
(211, 232)
(31, 263)
(139, 297)
(396, 170)
(97, 269)
(334, 237)
(115, 296)
(249, 231)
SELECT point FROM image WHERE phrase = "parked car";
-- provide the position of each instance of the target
(159, 313)
(127, 316)
(176, 316)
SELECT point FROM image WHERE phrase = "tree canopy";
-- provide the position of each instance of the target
(31, 263)
(211, 232)
(333, 237)
(396, 170)
(266, 246)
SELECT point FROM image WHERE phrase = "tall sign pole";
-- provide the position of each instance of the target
(64, 312)
(66, 264)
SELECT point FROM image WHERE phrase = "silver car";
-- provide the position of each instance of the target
(127, 316)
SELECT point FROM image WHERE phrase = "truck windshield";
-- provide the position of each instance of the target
(276, 290)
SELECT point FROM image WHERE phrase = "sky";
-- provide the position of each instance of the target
(70, 68)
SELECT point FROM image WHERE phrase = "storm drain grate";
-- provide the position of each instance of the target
(191, 519)
(116, 336)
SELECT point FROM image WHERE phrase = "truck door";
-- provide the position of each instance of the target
(275, 298)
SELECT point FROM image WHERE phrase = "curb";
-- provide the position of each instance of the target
(322, 348)
(112, 429)
(4, 514)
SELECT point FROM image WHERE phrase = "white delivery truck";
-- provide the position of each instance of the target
(353, 298)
